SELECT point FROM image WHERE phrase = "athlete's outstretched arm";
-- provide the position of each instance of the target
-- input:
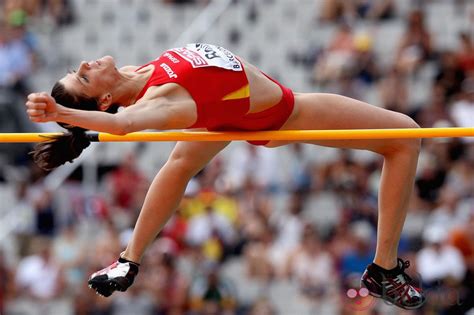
(151, 114)
(166, 191)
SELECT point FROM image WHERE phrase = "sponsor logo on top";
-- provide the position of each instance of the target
(172, 58)
(194, 58)
(169, 71)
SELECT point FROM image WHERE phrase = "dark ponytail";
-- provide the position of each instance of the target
(66, 147)
(60, 149)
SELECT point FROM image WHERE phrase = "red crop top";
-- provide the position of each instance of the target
(216, 81)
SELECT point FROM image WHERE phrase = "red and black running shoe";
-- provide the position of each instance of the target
(117, 277)
(394, 286)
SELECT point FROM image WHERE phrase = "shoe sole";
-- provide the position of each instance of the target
(106, 287)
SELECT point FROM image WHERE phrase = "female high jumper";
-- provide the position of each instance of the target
(206, 86)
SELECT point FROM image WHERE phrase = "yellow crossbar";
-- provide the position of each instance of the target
(346, 134)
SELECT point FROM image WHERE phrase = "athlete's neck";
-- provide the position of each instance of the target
(130, 83)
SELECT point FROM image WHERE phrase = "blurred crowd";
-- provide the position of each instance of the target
(20, 57)
(349, 65)
(18, 41)
(253, 235)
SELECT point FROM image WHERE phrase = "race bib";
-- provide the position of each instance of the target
(205, 55)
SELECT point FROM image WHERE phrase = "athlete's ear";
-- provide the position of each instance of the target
(105, 101)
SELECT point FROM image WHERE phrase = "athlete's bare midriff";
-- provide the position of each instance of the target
(264, 93)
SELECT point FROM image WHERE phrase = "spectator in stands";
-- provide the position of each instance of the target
(118, 181)
(365, 68)
(39, 277)
(343, 175)
(15, 60)
(449, 75)
(61, 11)
(106, 245)
(259, 261)
(314, 270)
(463, 239)
(460, 174)
(439, 261)
(6, 282)
(19, 25)
(8, 6)
(435, 110)
(87, 304)
(352, 261)
(337, 58)
(289, 225)
(253, 201)
(166, 283)
(416, 222)
(176, 229)
(346, 85)
(447, 214)
(393, 90)
(69, 252)
(431, 176)
(349, 10)
(441, 267)
(253, 164)
(300, 167)
(465, 53)
(211, 230)
(212, 294)
(136, 302)
(46, 218)
(462, 110)
(263, 307)
(415, 46)
(57, 12)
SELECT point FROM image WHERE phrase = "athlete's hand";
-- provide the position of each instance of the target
(41, 107)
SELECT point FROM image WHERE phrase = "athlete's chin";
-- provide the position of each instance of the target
(109, 60)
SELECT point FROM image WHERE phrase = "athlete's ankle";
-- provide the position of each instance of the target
(124, 260)
(129, 258)
(387, 264)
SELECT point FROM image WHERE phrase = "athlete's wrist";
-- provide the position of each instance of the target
(62, 113)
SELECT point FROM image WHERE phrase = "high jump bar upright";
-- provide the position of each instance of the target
(345, 134)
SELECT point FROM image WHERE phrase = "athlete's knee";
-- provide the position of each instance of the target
(183, 164)
(409, 146)
(412, 145)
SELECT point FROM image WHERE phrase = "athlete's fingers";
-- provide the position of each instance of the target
(38, 119)
(36, 98)
(35, 112)
(33, 96)
(35, 105)
(40, 97)
(48, 97)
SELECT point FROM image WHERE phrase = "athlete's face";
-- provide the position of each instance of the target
(93, 78)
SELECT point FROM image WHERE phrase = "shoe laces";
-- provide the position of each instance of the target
(403, 265)
(404, 283)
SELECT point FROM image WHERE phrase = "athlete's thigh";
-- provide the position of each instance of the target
(196, 154)
(320, 111)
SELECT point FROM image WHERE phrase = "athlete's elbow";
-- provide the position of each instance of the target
(123, 126)
(119, 132)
